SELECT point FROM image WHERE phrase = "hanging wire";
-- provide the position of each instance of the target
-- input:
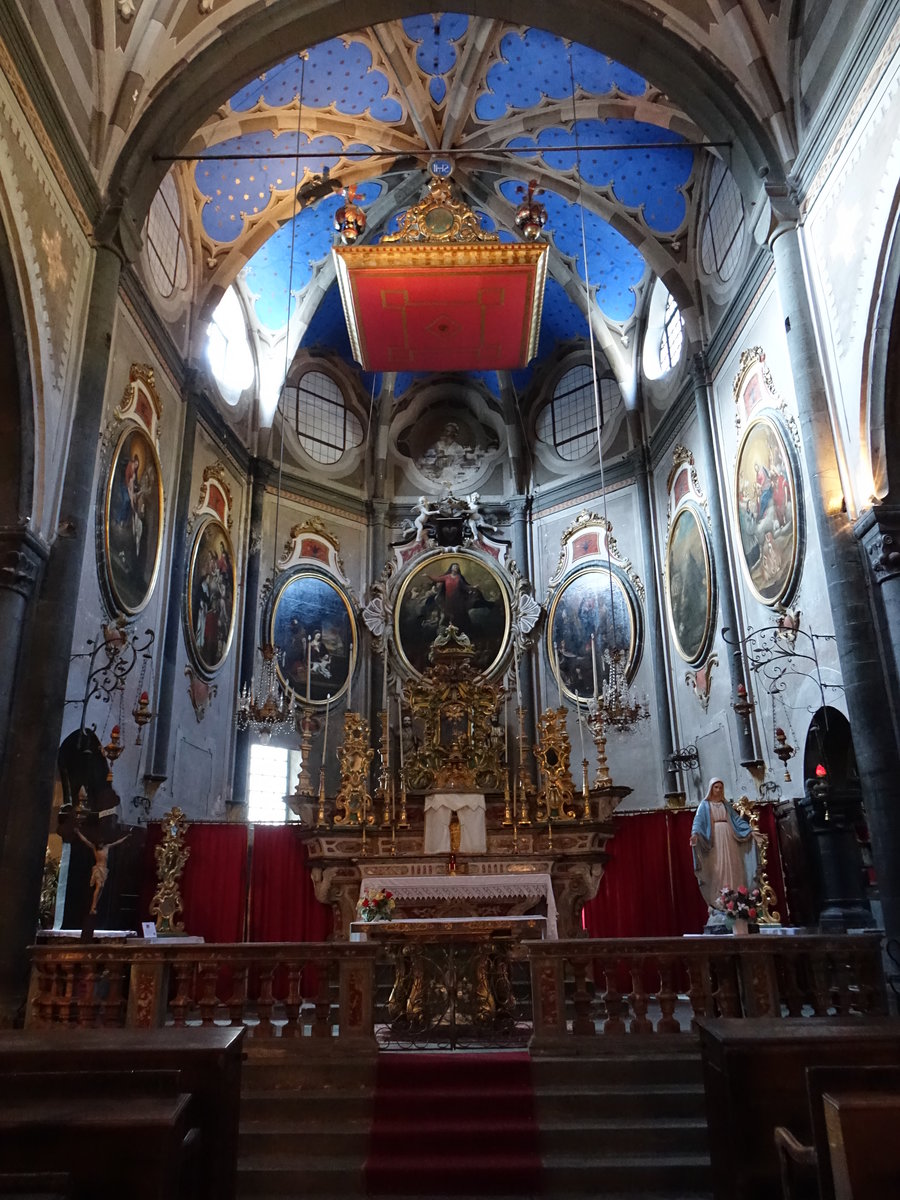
(287, 329)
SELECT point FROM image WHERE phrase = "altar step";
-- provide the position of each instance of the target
(632, 1125)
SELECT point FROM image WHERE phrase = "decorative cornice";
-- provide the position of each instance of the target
(10, 61)
(879, 532)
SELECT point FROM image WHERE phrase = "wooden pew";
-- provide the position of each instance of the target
(207, 1062)
(754, 1075)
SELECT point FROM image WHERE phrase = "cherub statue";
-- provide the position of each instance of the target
(426, 511)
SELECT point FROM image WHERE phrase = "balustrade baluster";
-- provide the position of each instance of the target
(46, 992)
(238, 998)
(293, 1001)
(209, 1000)
(322, 1022)
(726, 992)
(69, 992)
(112, 1010)
(613, 1000)
(582, 1022)
(265, 1002)
(86, 1003)
(818, 977)
(667, 996)
(700, 992)
(640, 1022)
(791, 991)
(184, 972)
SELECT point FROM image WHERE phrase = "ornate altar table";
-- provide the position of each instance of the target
(536, 886)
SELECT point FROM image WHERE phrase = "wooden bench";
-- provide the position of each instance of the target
(754, 1073)
(206, 1062)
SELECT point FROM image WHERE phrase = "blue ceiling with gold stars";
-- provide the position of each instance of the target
(373, 109)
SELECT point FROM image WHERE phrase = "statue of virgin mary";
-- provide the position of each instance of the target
(722, 845)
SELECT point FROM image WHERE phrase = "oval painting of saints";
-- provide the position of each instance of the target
(132, 520)
(768, 510)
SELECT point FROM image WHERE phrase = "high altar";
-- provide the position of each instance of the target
(472, 810)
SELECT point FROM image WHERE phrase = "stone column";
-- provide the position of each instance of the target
(878, 530)
(861, 659)
(22, 559)
(727, 605)
(655, 632)
(159, 758)
(250, 629)
(29, 771)
(520, 522)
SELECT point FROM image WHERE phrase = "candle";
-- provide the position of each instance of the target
(558, 675)
(506, 727)
(580, 726)
(400, 716)
(384, 680)
(325, 739)
(350, 687)
(308, 665)
(594, 665)
(518, 680)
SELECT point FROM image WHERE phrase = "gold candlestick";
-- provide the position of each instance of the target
(585, 790)
(507, 811)
(404, 823)
(384, 777)
(320, 815)
(305, 786)
(598, 733)
(524, 819)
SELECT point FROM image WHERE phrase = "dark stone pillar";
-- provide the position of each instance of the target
(159, 758)
(250, 638)
(655, 632)
(727, 606)
(878, 531)
(22, 559)
(862, 663)
(830, 816)
(26, 787)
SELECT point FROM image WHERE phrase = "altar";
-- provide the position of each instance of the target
(505, 895)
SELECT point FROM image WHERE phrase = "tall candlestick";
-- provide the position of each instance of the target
(594, 665)
(350, 685)
(506, 730)
(308, 665)
(558, 674)
(400, 720)
(384, 680)
(518, 680)
(580, 726)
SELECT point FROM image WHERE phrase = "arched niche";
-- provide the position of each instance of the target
(829, 744)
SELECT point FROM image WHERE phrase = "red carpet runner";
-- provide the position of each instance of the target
(454, 1125)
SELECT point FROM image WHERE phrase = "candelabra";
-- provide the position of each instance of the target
(110, 660)
(620, 709)
(267, 708)
(597, 726)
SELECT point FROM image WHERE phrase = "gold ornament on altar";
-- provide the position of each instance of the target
(457, 707)
(171, 855)
(750, 812)
(353, 802)
(552, 752)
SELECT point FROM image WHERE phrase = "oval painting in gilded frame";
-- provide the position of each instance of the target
(132, 521)
(211, 585)
(592, 600)
(313, 629)
(452, 589)
(768, 509)
(690, 584)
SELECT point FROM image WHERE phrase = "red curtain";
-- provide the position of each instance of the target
(283, 905)
(213, 884)
(649, 888)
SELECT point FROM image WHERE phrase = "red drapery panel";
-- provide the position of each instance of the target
(213, 884)
(649, 888)
(283, 906)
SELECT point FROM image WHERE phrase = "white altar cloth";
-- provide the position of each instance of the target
(470, 808)
(513, 886)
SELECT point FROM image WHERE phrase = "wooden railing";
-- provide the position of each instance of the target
(580, 989)
(658, 985)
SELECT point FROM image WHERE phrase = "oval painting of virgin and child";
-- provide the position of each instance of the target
(452, 589)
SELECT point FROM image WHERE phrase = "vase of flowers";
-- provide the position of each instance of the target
(741, 906)
(376, 906)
